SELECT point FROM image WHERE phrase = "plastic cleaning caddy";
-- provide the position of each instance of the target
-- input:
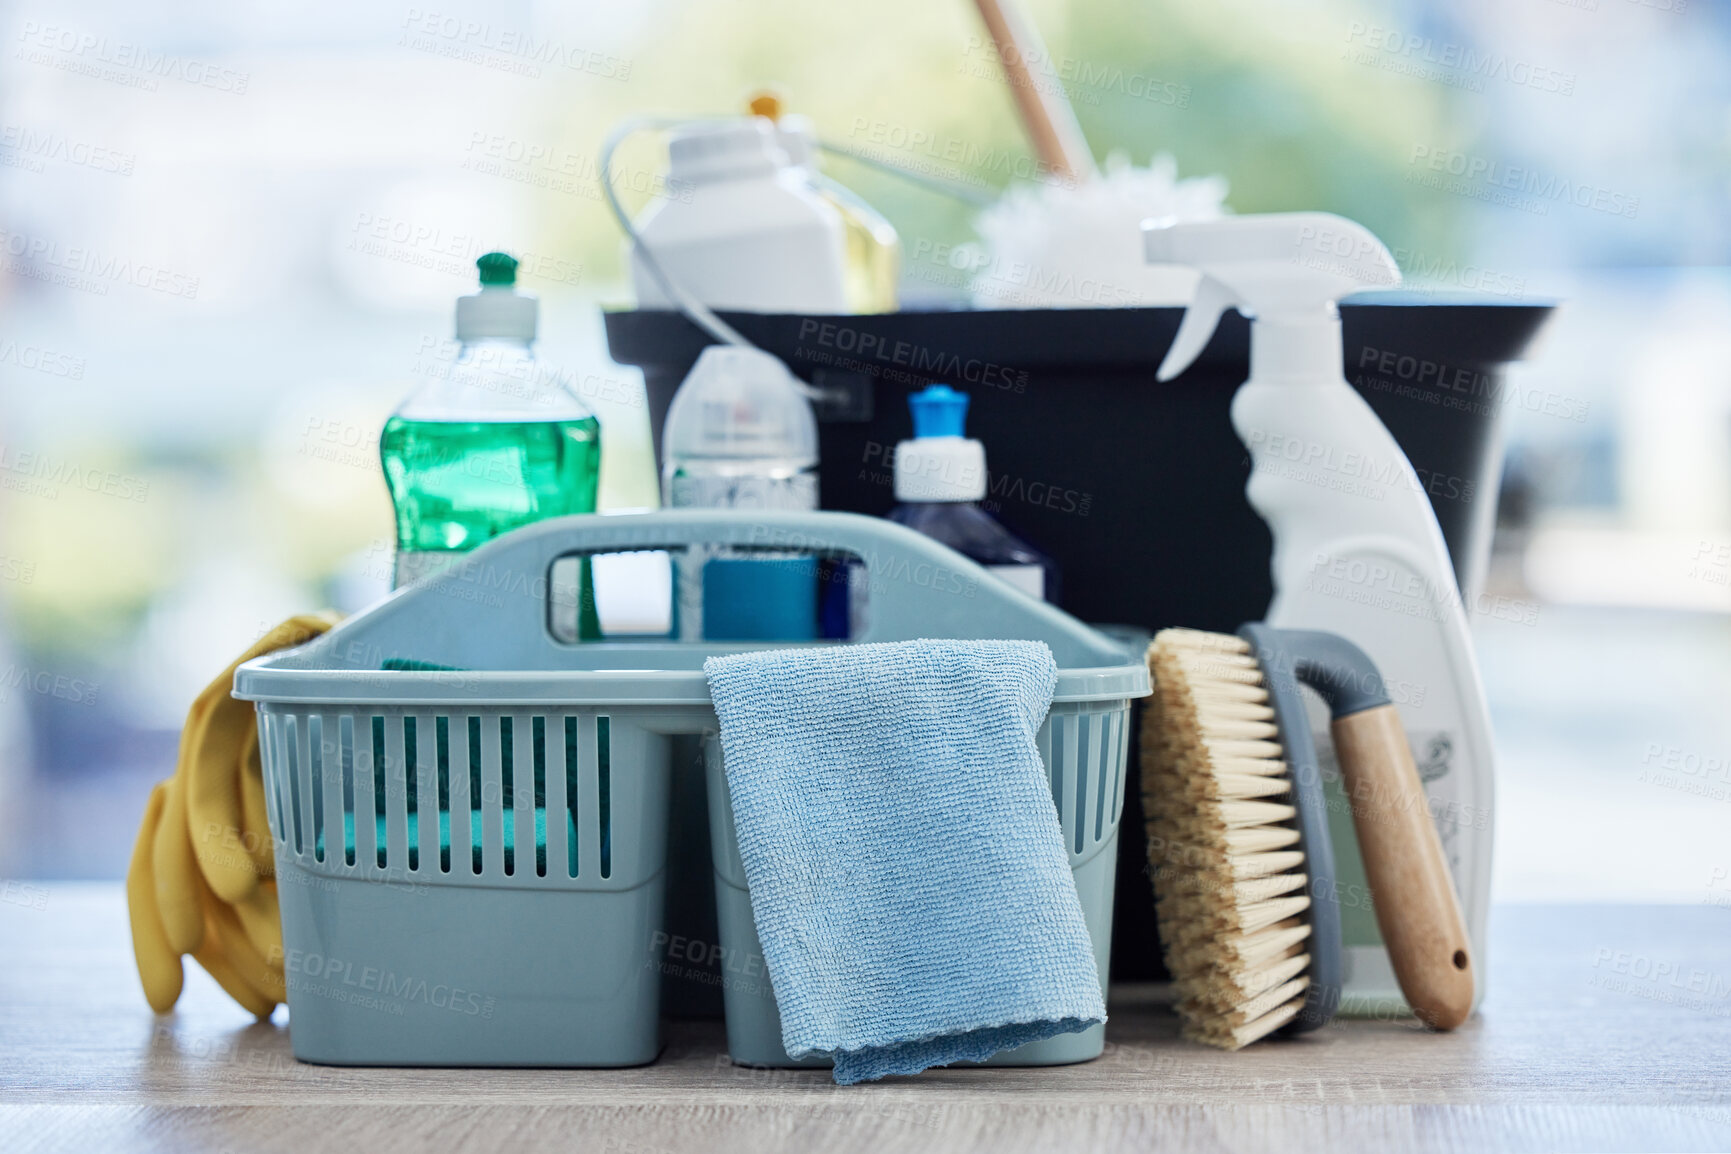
(411, 938)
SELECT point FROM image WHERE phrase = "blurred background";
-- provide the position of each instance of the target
(231, 234)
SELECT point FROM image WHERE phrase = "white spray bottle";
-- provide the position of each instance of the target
(1357, 548)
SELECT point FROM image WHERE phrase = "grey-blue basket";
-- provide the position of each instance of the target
(405, 750)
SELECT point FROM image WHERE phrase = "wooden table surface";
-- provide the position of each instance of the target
(1606, 1028)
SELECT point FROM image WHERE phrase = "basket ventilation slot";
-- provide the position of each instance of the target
(481, 788)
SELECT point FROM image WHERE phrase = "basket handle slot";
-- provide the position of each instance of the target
(492, 609)
(708, 593)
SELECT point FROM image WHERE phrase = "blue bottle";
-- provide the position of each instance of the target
(941, 480)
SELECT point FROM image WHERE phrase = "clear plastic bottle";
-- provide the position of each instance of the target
(940, 481)
(740, 434)
(495, 443)
(873, 250)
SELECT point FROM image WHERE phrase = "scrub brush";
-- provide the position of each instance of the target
(1242, 864)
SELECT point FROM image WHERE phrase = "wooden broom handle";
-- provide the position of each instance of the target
(1046, 113)
(1416, 907)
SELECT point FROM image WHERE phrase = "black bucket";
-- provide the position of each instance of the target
(1135, 487)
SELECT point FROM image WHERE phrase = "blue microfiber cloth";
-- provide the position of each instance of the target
(907, 870)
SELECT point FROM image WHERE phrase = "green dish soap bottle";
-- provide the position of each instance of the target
(494, 444)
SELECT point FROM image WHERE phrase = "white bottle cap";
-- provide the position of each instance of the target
(940, 469)
(498, 310)
(724, 150)
(940, 464)
(740, 403)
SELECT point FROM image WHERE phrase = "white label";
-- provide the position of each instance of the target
(1030, 579)
(746, 491)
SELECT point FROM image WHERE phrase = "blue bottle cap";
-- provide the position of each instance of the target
(939, 411)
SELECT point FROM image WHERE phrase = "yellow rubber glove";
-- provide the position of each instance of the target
(158, 962)
(254, 818)
(218, 748)
(175, 870)
(201, 879)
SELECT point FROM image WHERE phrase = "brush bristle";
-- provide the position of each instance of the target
(1230, 889)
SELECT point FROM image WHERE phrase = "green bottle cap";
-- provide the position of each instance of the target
(497, 268)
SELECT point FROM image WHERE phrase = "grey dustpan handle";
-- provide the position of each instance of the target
(1417, 909)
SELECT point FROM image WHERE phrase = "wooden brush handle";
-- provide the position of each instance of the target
(1045, 111)
(1416, 908)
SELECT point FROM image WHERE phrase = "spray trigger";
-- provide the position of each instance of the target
(1283, 270)
(1197, 327)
